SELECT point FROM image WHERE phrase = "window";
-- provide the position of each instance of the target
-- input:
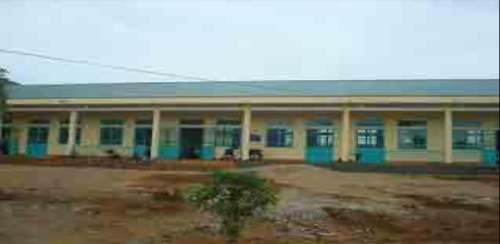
(370, 138)
(38, 132)
(279, 135)
(64, 133)
(467, 134)
(112, 132)
(370, 133)
(169, 137)
(228, 133)
(413, 135)
(467, 139)
(320, 132)
(320, 138)
(38, 135)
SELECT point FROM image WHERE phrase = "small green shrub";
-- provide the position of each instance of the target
(235, 199)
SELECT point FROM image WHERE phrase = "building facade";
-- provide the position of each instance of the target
(407, 121)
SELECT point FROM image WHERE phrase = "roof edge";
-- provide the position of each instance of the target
(260, 81)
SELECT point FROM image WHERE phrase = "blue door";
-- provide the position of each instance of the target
(208, 151)
(170, 151)
(370, 144)
(38, 142)
(170, 148)
(491, 152)
(490, 157)
(320, 146)
(143, 139)
(12, 147)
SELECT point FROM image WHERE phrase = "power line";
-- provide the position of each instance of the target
(139, 70)
(115, 67)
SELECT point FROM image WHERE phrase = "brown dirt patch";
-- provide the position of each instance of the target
(434, 227)
(104, 206)
(451, 203)
(121, 163)
(492, 180)
(159, 181)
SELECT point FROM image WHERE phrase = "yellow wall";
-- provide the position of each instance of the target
(298, 122)
(21, 122)
(91, 131)
(435, 135)
(490, 122)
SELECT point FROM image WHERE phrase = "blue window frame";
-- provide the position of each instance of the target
(280, 134)
(39, 131)
(320, 138)
(370, 133)
(112, 132)
(228, 133)
(413, 135)
(170, 136)
(38, 135)
(467, 139)
(320, 133)
(370, 138)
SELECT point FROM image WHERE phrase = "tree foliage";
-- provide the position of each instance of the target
(234, 199)
(3, 93)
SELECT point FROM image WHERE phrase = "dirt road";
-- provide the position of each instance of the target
(77, 206)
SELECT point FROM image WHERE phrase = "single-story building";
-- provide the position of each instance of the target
(368, 121)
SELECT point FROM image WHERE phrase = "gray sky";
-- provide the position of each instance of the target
(252, 39)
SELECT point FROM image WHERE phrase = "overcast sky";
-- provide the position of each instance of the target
(252, 39)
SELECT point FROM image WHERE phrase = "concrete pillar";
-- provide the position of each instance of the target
(73, 127)
(346, 135)
(247, 133)
(156, 137)
(448, 136)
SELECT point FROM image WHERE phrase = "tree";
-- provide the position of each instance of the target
(3, 92)
(234, 199)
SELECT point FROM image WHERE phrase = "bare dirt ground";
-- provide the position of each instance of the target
(63, 205)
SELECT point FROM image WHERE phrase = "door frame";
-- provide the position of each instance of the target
(200, 131)
(143, 150)
(490, 153)
(38, 150)
(320, 154)
(170, 143)
(371, 153)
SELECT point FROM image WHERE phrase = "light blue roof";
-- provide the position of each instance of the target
(262, 89)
